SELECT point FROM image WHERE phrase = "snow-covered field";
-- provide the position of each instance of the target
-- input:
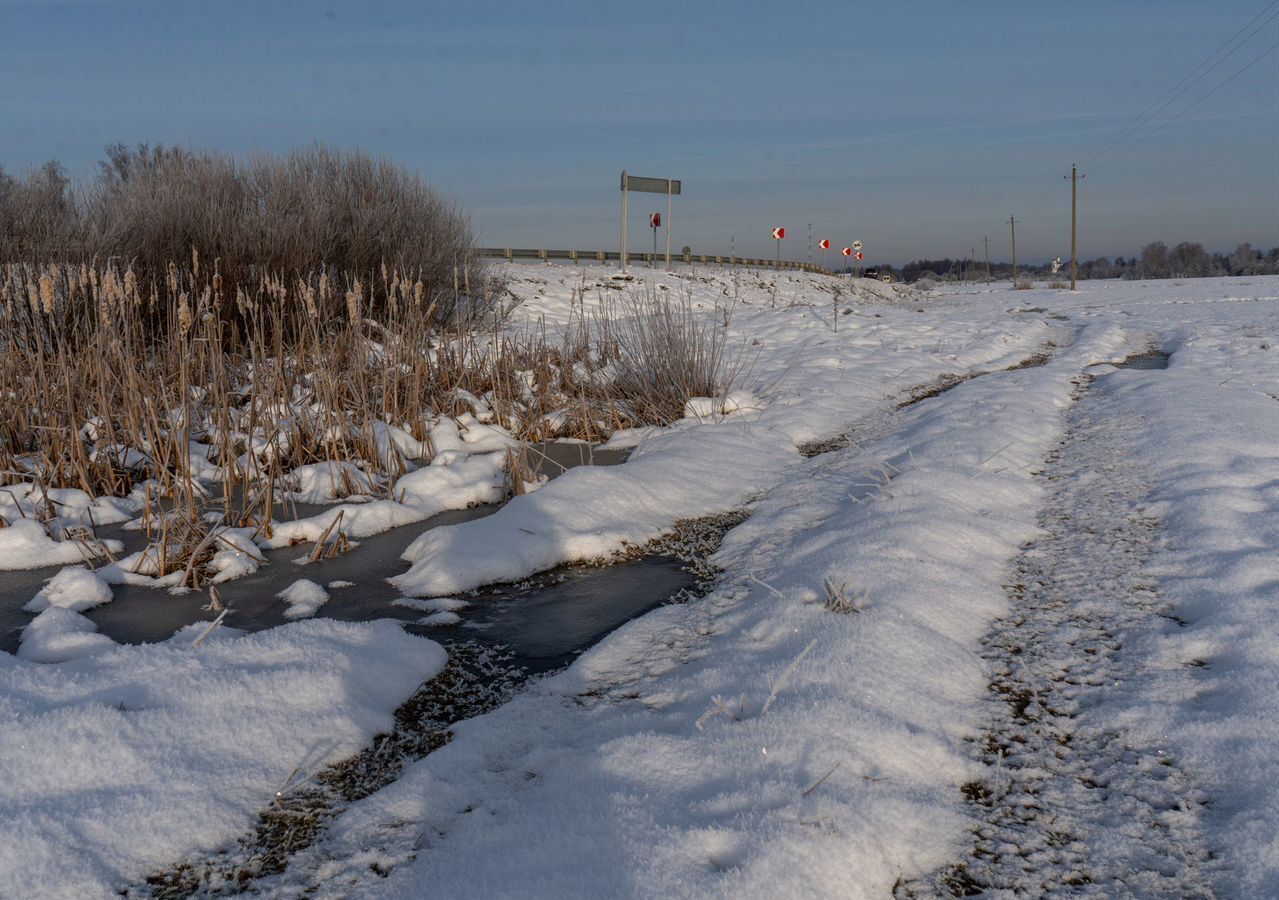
(921, 471)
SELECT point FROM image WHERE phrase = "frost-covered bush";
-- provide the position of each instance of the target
(666, 354)
(925, 284)
(309, 209)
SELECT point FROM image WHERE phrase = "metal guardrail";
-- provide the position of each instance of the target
(511, 254)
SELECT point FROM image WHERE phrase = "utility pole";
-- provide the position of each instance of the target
(1012, 223)
(810, 243)
(1074, 177)
(986, 238)
(625, 191)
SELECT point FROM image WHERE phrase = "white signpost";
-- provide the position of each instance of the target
(667, 186)
(779, 234)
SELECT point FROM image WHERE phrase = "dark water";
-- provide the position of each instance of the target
(544, 622)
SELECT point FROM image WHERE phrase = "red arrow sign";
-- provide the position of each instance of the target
(847, 251)
(655, 220)
(859, 254)
(824, 244)
(779, 233)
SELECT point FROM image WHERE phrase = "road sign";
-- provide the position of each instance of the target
(655, 220)
(667, 186)
(859, 254)
(857, 245)
(650, 185)
(847, 251)
(779, 233)
(824, 244)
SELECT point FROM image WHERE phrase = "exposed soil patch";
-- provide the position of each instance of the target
(919, 393)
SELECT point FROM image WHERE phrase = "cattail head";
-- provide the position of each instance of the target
(33, 298)
(419, 291)
(46, 294)
(184, 313)
(353, 304)
(195, 261)
(326, 292)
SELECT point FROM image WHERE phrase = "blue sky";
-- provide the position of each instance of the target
(916, 127)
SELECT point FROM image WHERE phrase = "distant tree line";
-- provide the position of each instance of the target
(1157, 260)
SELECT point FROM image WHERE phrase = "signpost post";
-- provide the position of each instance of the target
(847, 251)
(857, 246)
(667, 186)
(655, 222)
(823, 245)
(779, 234)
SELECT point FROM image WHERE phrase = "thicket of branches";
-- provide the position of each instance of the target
(309, 210)
(1156, 260)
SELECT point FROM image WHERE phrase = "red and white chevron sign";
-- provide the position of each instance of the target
(779, 233)
(847, 251)
(823, 244)
(859, 254)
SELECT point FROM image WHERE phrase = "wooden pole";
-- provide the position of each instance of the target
(1012, 223)
(1074, 224)
(986, 238)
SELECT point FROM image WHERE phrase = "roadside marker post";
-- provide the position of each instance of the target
(779, 235)
(823, 245)
(655, 222)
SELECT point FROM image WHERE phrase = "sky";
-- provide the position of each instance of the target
(915, 127)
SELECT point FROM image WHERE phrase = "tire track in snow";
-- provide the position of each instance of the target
(1070, 806)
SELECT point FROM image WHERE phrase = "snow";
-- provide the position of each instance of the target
(325, 482)
(25, 544)
(114, 766)
(450, 482)
(304, 597)
(914, 455)
(60, 634)
(75, 588)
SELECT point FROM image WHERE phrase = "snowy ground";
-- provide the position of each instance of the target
(1003, 617)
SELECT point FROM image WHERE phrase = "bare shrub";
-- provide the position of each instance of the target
(1023, 285)
(248, 219)
(925, 284)
(1059, 285)
(664, 353)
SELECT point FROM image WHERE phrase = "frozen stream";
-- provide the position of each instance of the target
(543, 622)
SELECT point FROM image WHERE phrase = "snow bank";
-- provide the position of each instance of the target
(304, 597)
(58, 635)
(755, 744)
(75, 588)
(113, 766)
(450, 482)
(819, 383)
(1210, 447)
(24, 544)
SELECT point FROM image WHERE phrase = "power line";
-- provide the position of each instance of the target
(1174, 93)
(1165, 100)
(1160, 127)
